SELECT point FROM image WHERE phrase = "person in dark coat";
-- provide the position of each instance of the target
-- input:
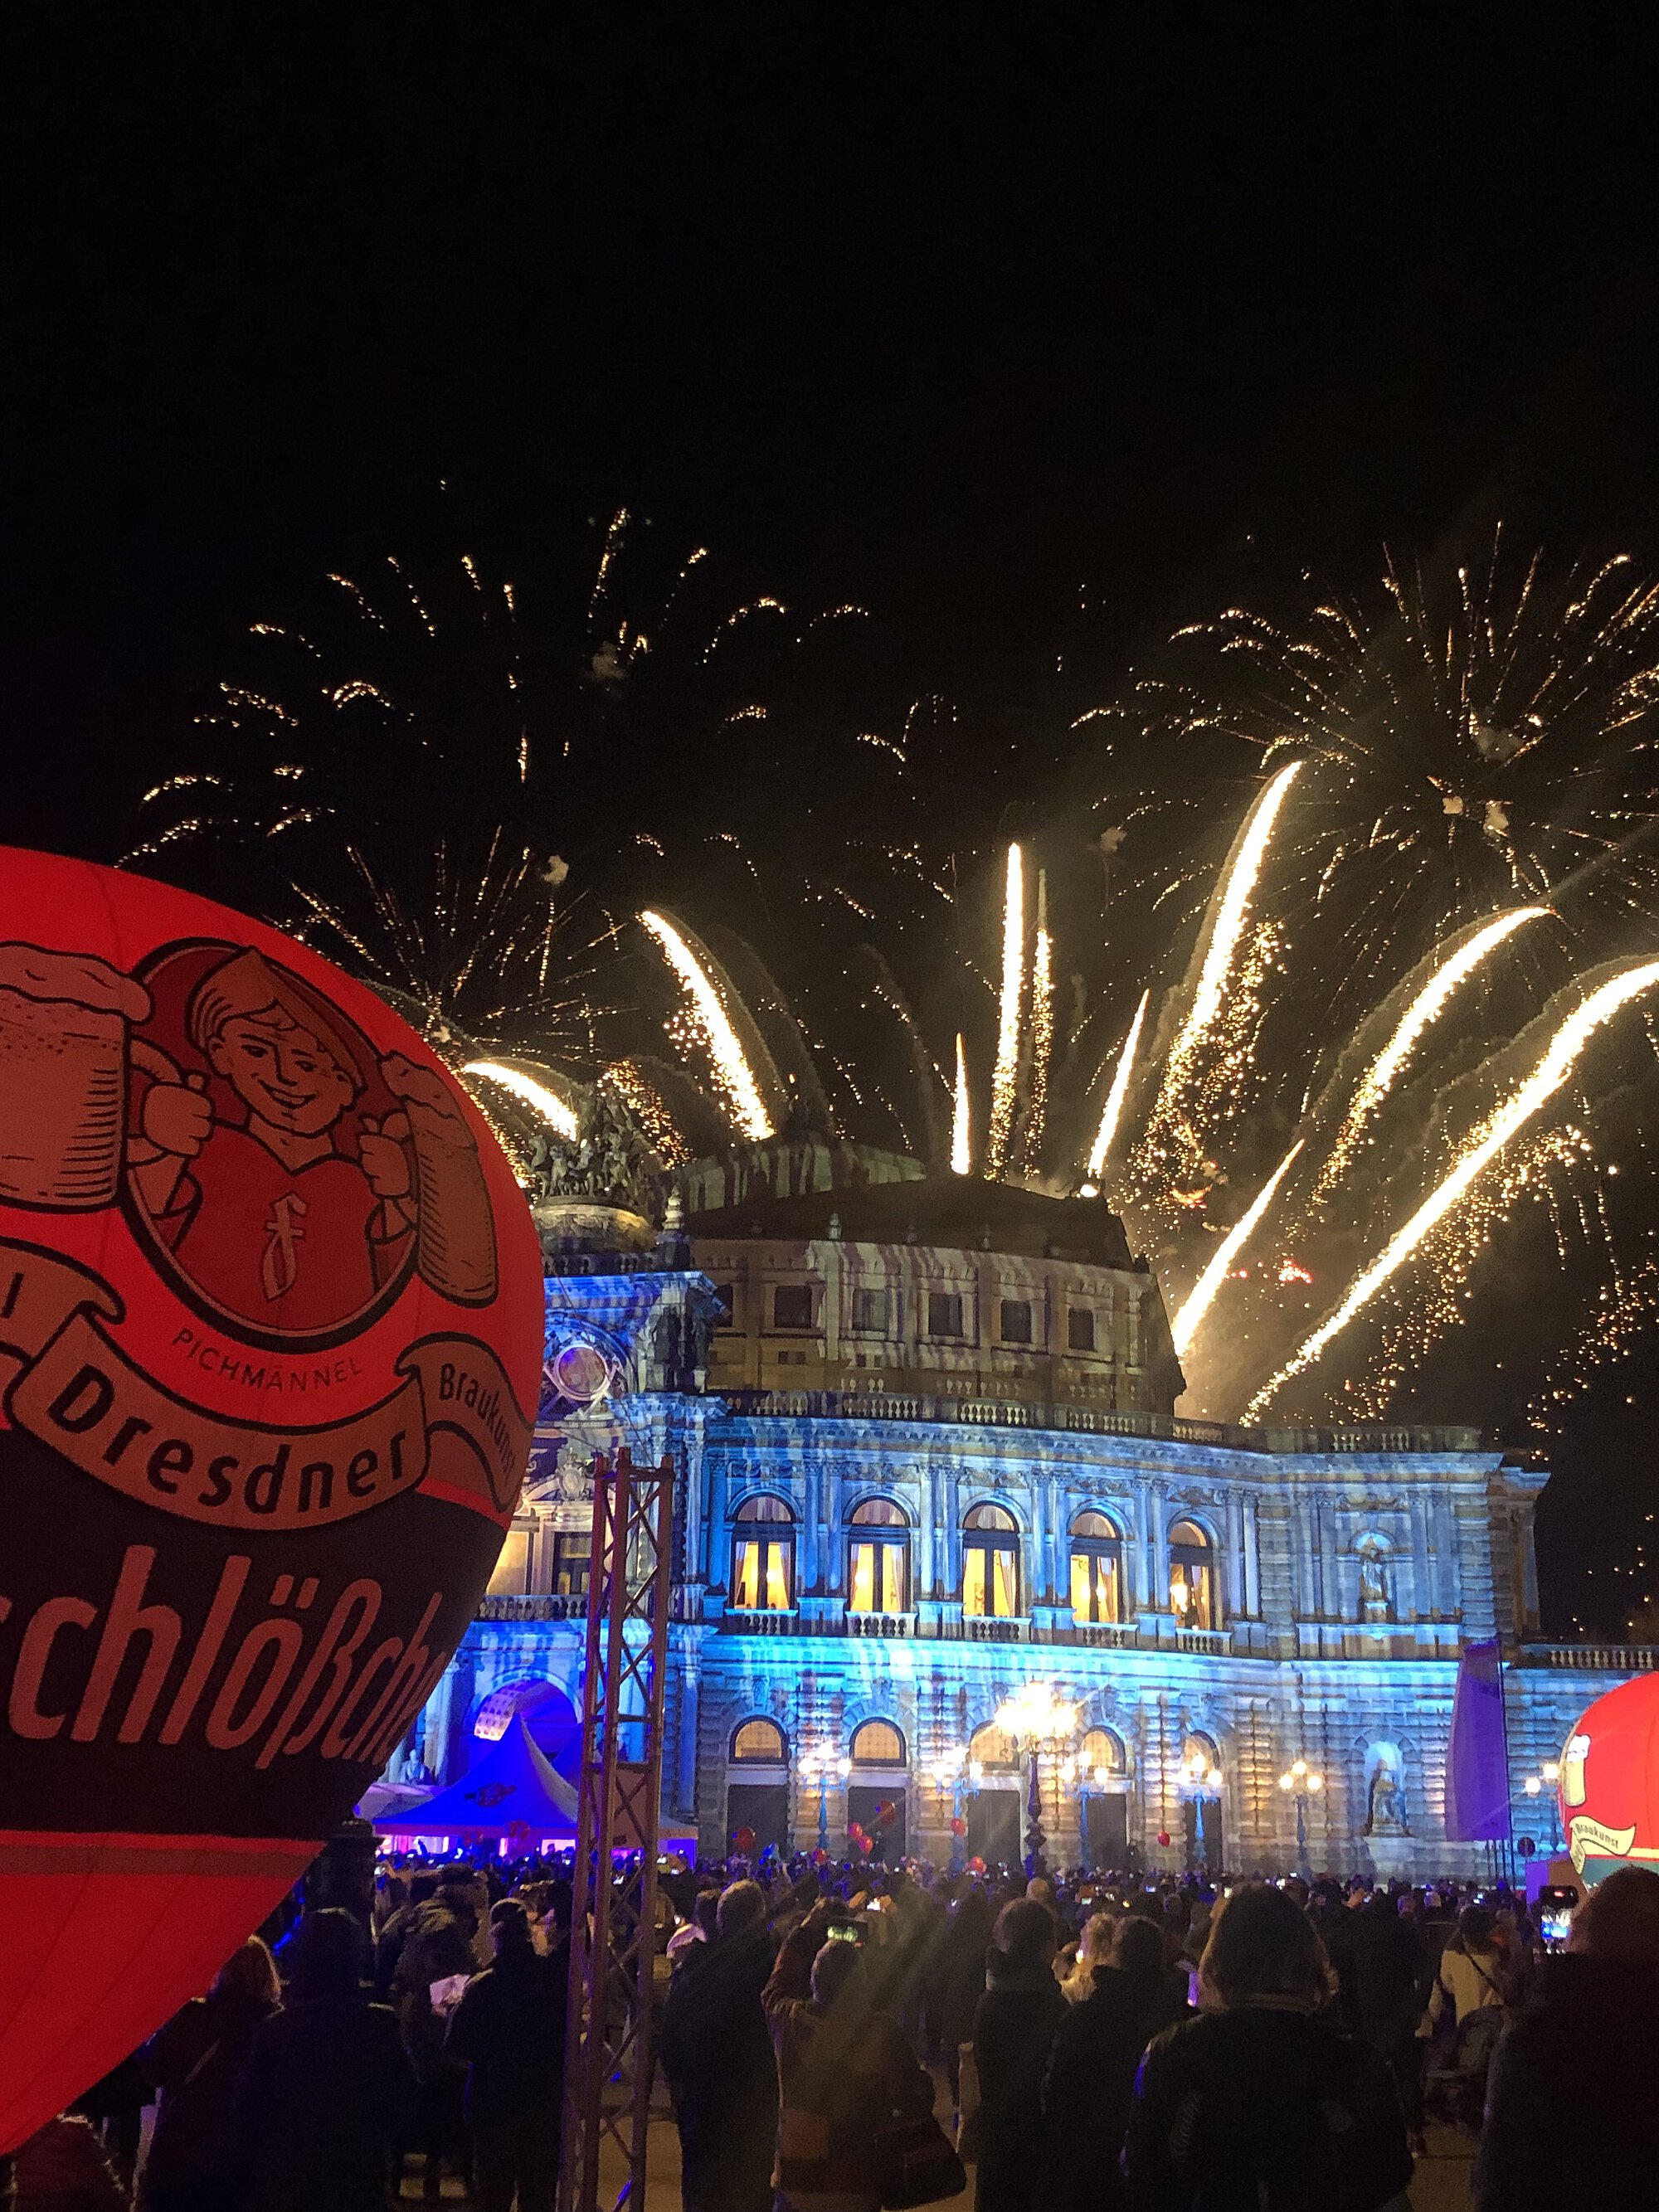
(437, 1947)
(1014, 2029)
(716, 2050)
(325, 2089)
(195, 2062)
(1390, 1961)
(1092, 2073)
(1571, 2116)
(1259, 2101)
(509, 2027)
(962, 1978)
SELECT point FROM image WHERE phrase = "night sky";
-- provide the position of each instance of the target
(1038, 344)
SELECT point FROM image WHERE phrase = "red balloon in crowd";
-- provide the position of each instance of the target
(744, 1839)
(1163, 1839)
(272, 1347)
(886, 1814)
(976, 1866)
(1609, 1782)
(958, 1827)
(855, 1831)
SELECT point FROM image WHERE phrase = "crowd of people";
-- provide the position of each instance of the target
(1085, 2043)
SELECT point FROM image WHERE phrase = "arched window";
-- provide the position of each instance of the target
(990, 1563)
(878, 1567)
(1192, 1577)
(1200, 1761)
(763, 1557)
(760, 1743)
(877, 1743)
(992, 1748)
(1101, 1757)
(1096, 1568)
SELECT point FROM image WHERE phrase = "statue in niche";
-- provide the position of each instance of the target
(1373, 1584)
(1385, 1809)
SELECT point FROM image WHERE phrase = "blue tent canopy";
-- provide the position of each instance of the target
(512, 1790)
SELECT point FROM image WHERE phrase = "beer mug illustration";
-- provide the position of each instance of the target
(64, 1023)
(1572, 1770)
(455, 1231)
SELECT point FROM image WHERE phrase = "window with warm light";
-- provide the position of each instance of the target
(572, 1555)
(760, 1743)
(1101, 1757)
(992, 1749)
(1192, 1577)
(1200, 1761)
(763, 1557)
(990, 1563)
(879, 1575)
(877, 1743)
(1096, 1568)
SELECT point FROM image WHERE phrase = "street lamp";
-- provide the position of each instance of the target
(1301, 1782)
(950, 1775)
(1544, 1784)
(1036, 1719)
(819, 1766)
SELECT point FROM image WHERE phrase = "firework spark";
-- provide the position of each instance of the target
(1427, 1006)
(1185, 1325)
(1112, 1113)
(731, 1067)
(1545, 1080)
(1042, 1027)
(558, 1116)
(1005, 1074)
(1172, 1147)
(962, 1158)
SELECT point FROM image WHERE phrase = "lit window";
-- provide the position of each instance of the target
(878, 1580)
(1192, 1577)
(992, 1748)
(870, 1312)
(760, 1743)
(990, 1563)
(1096, 1568)
(877, 1743)
(763, 1557)
(792, 1306)
(1081, 1328)
(1101, 1756)
(1017, 1321)
(572, 1556)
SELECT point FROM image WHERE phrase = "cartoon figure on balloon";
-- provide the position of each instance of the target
(286, 1177)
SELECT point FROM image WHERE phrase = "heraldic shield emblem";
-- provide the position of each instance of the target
(270, 1340)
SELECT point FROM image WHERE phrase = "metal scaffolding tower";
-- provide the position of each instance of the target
(607, 2077)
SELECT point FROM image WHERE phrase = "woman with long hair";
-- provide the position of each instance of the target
(1260, 2100)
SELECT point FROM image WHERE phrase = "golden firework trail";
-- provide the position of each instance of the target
(1427, 1006)
(961, 1158)
(731, 1067)
(1228, 933)
(1005, 1074)
(559, 1117)
(1112, 1113)
(1198, 1301)
(1042, 1026)
(1546, 1078)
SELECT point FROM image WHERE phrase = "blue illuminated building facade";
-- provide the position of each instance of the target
(927, 1453)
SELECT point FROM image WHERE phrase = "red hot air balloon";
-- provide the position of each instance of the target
(1609, 1782)
(270, 1332)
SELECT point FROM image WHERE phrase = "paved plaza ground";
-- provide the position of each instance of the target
(1441, 2183)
